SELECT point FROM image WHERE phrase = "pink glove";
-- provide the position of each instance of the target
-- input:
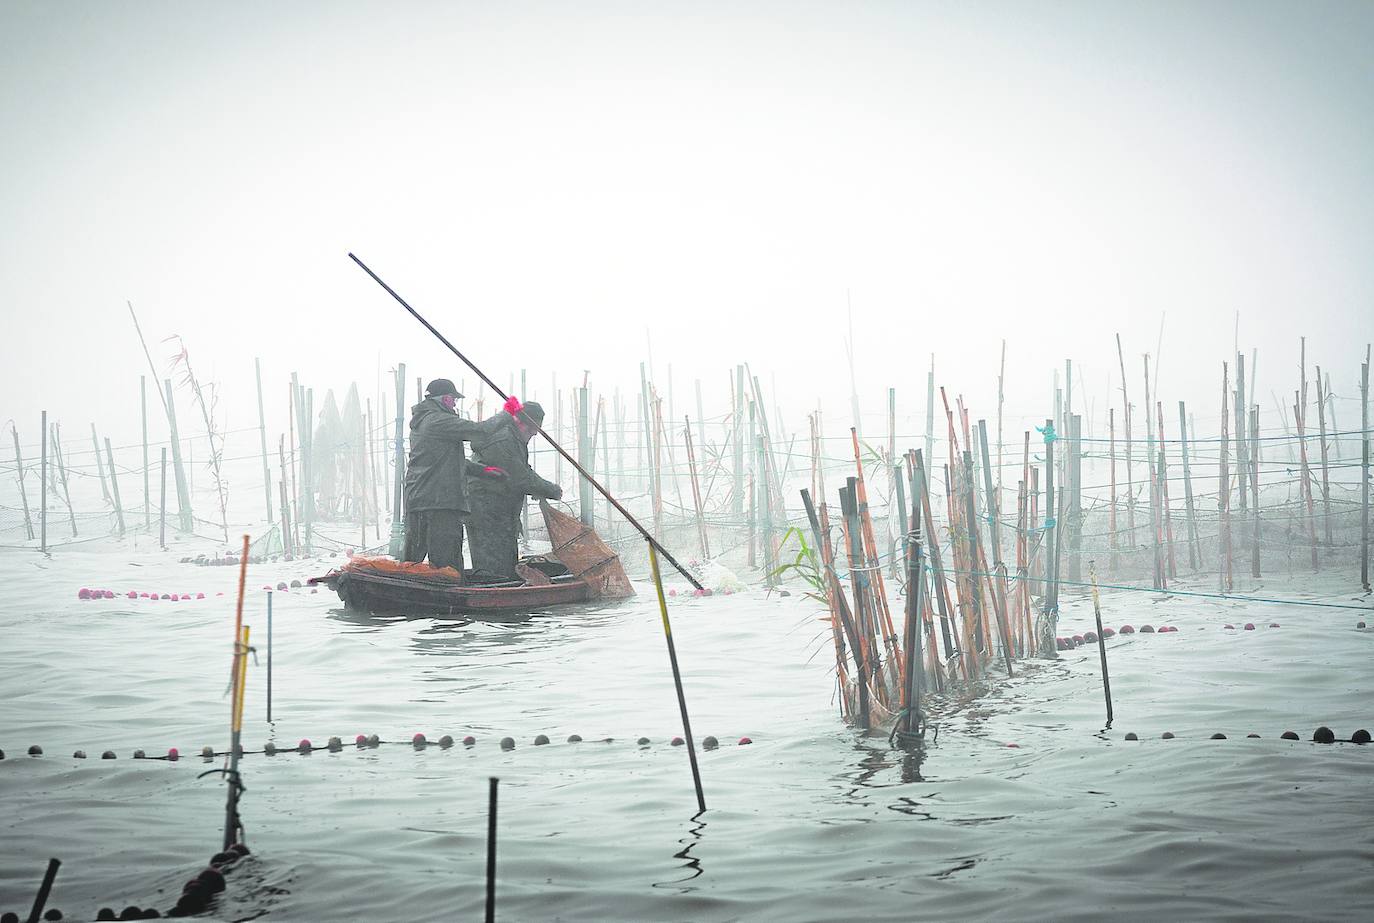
(513, 405)
(492, 471)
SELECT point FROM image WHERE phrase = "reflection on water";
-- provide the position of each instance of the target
(690, 862)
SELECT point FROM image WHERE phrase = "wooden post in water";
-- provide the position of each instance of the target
(1242, 444)
(1254, 490)
(1044, 643)
(1224, 578)
(293, 407)
(100, 468)
(262, 437)
(739, 441)
(1130, 480)
(1156, 544)
(23, 495)
(43, 488)
(1298, 412)
(930, 416)
(396, 548)
(114, 486)
(696, 491)
(940, 588)
(1073, 498)
(1111, 503)
(184, 515)
(586, 458)
(1194, 545)
(1364, 471)
(143, 411)
(287, 536)
(58, 459)
(162, 506)
(1164, 492)
(1326, 481)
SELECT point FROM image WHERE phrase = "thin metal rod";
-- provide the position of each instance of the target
(653, 543)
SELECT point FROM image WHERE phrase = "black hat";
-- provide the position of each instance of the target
(535, 411)
(441, 386)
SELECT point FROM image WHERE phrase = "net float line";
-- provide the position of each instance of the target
(373, 741)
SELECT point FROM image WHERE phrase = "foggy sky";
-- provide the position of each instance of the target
(561, 185)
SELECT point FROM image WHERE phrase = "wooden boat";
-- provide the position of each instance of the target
(581, 567)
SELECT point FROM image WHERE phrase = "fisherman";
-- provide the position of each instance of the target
(436, 495)
(496, 503)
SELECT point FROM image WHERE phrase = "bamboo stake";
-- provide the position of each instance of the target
(920, 499)
(143, 410)
(1224, 493)
(1194, 545)
(100, 468)
(184, 514)
(288, 543)
(1101, 641)
(1298, 414)
(43, 490)
(114, 484)
(1126, 422)
(59, 458)
(1051, 600)
(872, 561)
(696, 490)
(1111, 505)
(1254, 484)
(262, 438)
(1242, 461)
(1326, 481)
(858, 580)
(23, 495)
(162, 506)
(1164, 482)
(1364, 471)
(820, 528)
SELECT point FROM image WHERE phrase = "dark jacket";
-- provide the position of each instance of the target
(438, 469)
(501, 445)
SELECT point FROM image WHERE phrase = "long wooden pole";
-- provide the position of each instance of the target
(43, 489)
(525, 417)
(677, 680)
(696, 490)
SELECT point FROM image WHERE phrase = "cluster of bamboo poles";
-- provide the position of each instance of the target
(989, 616)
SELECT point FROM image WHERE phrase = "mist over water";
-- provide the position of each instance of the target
(665, 203)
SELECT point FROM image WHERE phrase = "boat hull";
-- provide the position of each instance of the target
(393, 594)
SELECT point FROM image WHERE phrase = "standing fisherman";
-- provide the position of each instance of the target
(436, 495)
(496, 503)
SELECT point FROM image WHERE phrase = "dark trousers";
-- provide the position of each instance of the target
(436, 534)
(494, 531)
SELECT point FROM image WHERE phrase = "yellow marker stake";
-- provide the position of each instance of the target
(677, 679)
